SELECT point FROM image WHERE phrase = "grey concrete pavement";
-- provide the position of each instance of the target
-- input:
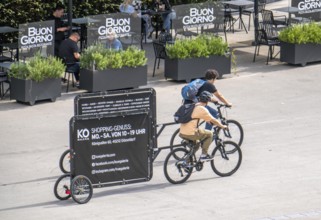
(278, 105)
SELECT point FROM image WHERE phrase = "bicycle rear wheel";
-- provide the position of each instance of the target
(227, 159)
(235, 130)
(62, 187)
(177, 167)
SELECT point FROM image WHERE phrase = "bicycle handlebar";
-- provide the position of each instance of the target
(220, 105)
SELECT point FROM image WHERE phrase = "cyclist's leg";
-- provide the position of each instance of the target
(214, 113)
(194, 138)
(206, 136)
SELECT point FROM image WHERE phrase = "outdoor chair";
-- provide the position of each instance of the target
(160, 53)
(165, 37)
(68, 72)
(266, 35)
(4, 79)
(250, 11)
(277, 21)
(4, 58)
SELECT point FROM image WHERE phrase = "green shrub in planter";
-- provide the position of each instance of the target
(201, 46)
(37, 79)
(302, 34)
(100, 58)
(38, 68)
(301, 44)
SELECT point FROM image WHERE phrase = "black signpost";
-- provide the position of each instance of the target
(112, 140)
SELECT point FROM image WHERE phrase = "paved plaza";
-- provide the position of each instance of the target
(279, 106)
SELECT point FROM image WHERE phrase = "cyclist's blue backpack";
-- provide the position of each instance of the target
(190, 90)
(184, 113)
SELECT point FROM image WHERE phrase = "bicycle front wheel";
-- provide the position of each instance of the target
(178, 166)
(235, 130)
(226, 163)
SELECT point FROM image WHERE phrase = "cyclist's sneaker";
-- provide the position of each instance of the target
(204, 158)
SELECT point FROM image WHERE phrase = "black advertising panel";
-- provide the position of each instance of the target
(120, 25)
(112, 149)
(308, 8)
(118, 102)
(197, 15)
(37, 37)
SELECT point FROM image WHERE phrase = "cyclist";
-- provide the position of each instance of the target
(191, 131)
(210, 76)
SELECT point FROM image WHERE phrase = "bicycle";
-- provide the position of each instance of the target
(180, 162)
(234, 132)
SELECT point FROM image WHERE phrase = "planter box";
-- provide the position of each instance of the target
(112, 79)
(192, 68)
(30, 91)
(300, 53)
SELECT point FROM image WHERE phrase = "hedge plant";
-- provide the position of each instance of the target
(302, 34)
(38, 68)
(200, 46)
(100, 58)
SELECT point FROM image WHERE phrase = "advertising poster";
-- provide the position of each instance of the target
(111, 149)
(119, 25)
(35, 38)
(197, 15)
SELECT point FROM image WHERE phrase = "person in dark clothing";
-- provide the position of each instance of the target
(164, 5)
(60, 27)
(69, 53)
(210, 76)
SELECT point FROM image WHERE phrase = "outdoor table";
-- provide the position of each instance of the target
(7, 29)
(241, 4)
(157, 14)
(288, 9)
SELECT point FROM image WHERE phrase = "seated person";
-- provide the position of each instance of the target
(127, 7)
(113, 43)
(191, 130)
(168, 16)
(69, 52)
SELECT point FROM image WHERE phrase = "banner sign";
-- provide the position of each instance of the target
(197, 15)
(111, 102)
(37, 37)
(308, 8)
(116, 101)
(117, 24)
(112, 149)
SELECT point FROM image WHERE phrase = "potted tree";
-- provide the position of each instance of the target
(301, 43)
(104, 69)
(187, 59)
(37, 79)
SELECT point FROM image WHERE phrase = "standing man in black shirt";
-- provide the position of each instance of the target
(60, 27)
(69, 52)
